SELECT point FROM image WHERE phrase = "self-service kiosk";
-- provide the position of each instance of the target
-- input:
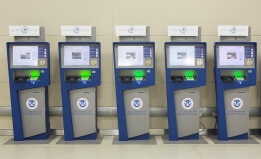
(235, 72)
(29, 78)
(134, 69)
(185, 64)
(185, 74)
(80, 75)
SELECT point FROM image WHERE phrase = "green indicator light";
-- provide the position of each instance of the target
(238, 74)
(85, 78)
(85, 73)
(35, 73)
(190, 78)
(189, 73)
(139, 75)
(138, 78)
(239, 78)
(34, 78)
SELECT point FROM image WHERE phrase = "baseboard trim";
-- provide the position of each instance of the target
(114, 132)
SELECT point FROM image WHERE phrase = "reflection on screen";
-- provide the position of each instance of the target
(231, 55)
(130, 56)
(25, 55)
(76, 55)
(182, 56)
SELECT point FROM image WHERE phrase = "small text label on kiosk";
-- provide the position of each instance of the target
(71, 30)
(182, 30)
(24, 30)
(228, 30)
(130, 30)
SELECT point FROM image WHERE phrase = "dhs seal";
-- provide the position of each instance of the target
(136, 103)
(76, 29)
(131, 29)
(187, 103)
(24, 30)
(233, 29)
(31, 103)
(82, 103)
(183, 30)
(237, 103)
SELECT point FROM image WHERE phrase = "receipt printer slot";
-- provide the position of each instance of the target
(72, 79)
(21, 79)
(126, 78)
(227, 79)
(177, 78)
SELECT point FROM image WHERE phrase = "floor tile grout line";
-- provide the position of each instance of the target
(255, 138)
(209, 141)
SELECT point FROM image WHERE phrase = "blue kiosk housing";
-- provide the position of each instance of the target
(235, 72)
(80, 74)
(185, 64)
(134, 70)
(29, 78)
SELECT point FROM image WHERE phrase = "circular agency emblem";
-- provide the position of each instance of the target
(183, 30)
(82, 103)
(136, 103)
(237, 103)
(187, 103)
(131, 29)
(31, 103)
(76, 29)
(233, 29)
(24, 30)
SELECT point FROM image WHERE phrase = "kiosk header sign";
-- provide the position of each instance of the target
(24, 30)
(130, 30)
(72, 30)
(232, 30)
(182, 30)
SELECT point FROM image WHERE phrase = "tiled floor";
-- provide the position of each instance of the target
(106, 150)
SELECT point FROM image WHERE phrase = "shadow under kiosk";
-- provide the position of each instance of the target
(29, 78)
(80, 75)
(134, 69)
(235, 72)
(185, 73)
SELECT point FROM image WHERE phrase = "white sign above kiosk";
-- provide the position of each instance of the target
(130, 30)
(72, 30)
(24, 30)
(232, 30)
(182, 30)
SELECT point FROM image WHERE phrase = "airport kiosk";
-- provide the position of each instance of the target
(29, 78)
(235, 71)
(80, 74)
(185, 61)
(134, 70)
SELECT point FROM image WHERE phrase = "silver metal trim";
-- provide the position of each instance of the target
(154, 111)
